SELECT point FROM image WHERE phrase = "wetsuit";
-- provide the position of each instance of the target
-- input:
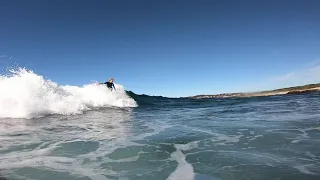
(109, 85)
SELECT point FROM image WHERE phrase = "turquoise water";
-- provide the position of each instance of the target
(259, 138)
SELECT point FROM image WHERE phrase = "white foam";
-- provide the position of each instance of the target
(25, 94)
(220, 139)
(184, 170)
(303, 169)
(98, 177)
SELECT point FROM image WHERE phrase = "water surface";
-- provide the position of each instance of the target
(258, 138)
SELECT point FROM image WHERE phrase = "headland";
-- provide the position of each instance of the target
(290, 90)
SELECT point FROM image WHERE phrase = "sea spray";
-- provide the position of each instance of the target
(25, 94)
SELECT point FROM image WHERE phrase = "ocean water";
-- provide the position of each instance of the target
(49, 131)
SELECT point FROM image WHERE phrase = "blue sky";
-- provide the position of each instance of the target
(170, 48)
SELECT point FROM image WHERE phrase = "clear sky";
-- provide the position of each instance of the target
(170, 48)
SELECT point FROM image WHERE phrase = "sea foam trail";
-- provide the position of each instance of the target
(184, 170)
(25, 94)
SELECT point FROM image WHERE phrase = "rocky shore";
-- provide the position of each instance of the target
(291, 90)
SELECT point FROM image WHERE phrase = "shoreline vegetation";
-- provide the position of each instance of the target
(290, 90)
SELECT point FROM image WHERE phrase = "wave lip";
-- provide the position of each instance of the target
(25, 94)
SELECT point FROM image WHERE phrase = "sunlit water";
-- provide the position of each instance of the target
(228, 139)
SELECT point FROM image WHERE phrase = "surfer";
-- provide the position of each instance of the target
(109, 84)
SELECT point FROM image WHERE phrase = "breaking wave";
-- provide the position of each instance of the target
(25, 94)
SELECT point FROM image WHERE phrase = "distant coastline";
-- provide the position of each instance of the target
(282, 91)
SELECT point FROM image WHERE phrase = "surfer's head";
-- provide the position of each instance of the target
(111, 80)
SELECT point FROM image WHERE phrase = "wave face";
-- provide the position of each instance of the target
(25, 94)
